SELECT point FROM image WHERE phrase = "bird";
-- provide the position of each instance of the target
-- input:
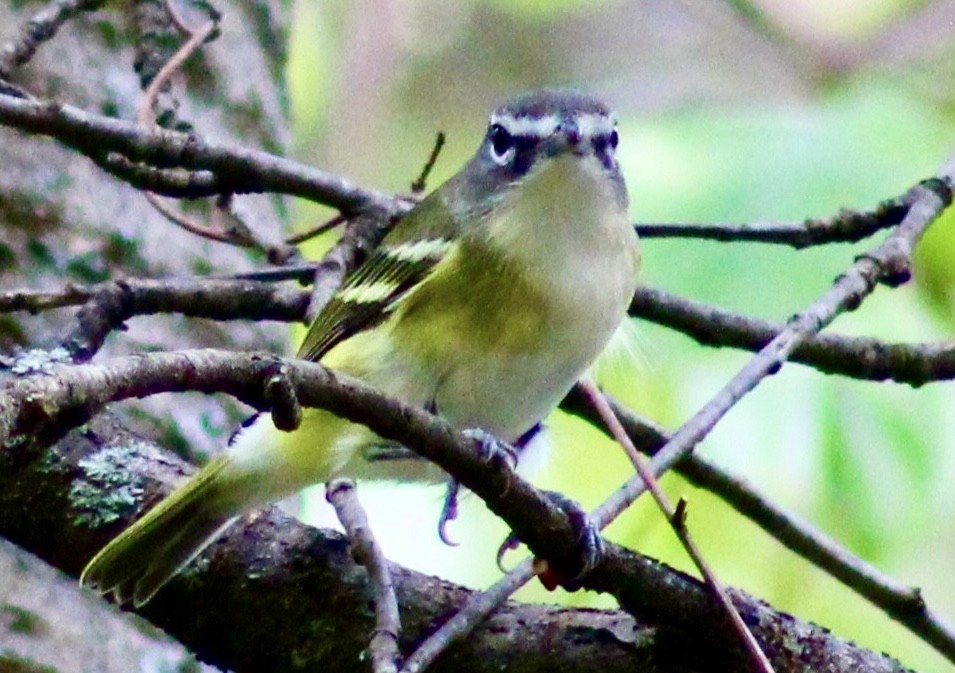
(485, 303)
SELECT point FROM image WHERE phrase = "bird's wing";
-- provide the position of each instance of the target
(407, 255)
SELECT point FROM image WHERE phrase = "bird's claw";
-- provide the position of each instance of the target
(449, 511)
(490, 448)
(589, 544)
(510, 543)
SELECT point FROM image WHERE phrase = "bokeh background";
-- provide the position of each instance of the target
(729, 111)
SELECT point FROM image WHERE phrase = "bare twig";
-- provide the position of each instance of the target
(187, 223)
(144, 112)
(317, 230)
(418, 186)
(41, 28)
(109, 304)
(848, 226)
(366, 550)
(233, 231)
(236, 298)
(855, 357)
(676, 517)
(476, 610)
(302, 273)
(904, 604)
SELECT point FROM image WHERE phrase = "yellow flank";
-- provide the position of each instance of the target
(461, 312)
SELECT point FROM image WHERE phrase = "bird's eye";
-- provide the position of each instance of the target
(502, 144)
(606, 142)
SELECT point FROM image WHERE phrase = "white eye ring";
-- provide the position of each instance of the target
(500, 144)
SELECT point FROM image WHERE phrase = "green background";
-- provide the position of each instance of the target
(732, 112)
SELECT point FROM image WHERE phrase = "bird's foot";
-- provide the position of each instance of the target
(589, 547)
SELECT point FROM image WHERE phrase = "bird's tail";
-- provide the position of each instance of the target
(146, 555)
(263, 465)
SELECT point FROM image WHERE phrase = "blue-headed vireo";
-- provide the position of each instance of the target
(486, 303)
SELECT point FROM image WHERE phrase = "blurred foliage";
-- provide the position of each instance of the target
(736, 111)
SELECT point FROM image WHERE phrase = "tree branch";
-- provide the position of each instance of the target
(41, 28)
(855, 357)
(904, 604)
(285, 596)
(848, 226)
(240, 169)
(40, 407)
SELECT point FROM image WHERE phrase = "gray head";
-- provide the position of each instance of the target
(528, 133)
(548, 123)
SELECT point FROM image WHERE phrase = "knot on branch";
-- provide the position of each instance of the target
(105, 311)
(284, 405)
(940, 188)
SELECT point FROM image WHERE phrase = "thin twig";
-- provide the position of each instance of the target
(232, 298)
(187, 223)
(144, 113)
(848, 226)
(475, 611)
(366, 550)
(418, 186)
(317, 230)
(677, 520)
(42, 27)
(144, 117)
(903, 603)
(108, 305)
(228, 227)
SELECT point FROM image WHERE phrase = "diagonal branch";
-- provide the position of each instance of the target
(888, 263)
(43, 406)
(855, 357)
(42, 27)
(904, 604)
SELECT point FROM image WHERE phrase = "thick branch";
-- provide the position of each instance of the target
(241, 170)
(285, 597)
(40, 407)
